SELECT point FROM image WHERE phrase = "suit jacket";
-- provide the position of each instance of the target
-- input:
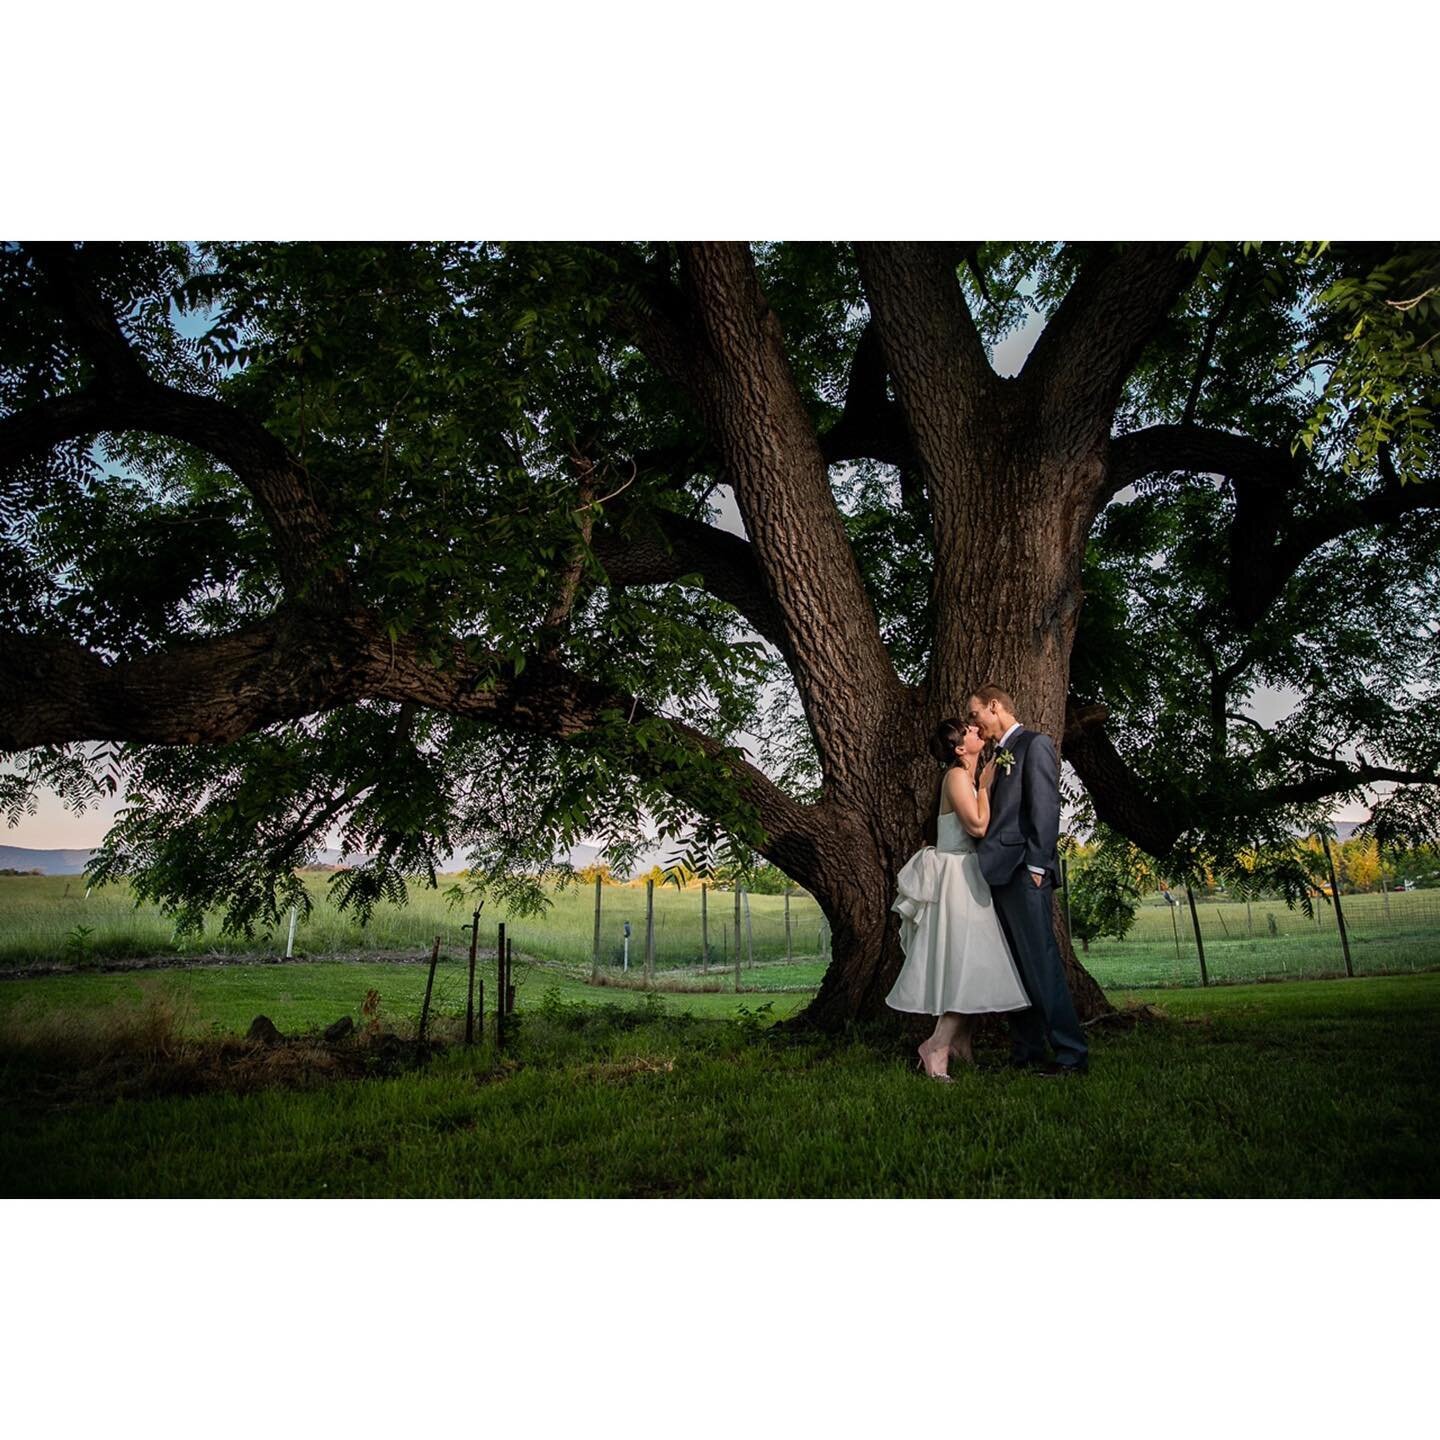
(1024, 812)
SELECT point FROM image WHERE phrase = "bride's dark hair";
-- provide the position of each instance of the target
(948, 735)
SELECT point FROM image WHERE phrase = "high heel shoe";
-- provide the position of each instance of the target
(921, 1065)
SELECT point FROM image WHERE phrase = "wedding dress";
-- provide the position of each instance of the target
(956, 955)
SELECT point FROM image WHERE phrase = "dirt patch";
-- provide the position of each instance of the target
(232, 1066)
(64, 1058)
(619, 1072)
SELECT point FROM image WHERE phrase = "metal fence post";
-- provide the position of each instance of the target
(1065, 891)
(749, 935)
(737, 937)
(500, 988)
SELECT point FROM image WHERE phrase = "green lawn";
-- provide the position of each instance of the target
(1299, 1089)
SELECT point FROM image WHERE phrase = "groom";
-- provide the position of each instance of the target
(1018, 860)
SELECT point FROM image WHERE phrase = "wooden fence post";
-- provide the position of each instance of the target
(470, 985)
(704, 932)
(1339, 912)
(429, 986)
(649, 932)
(595, 955)
(1199, 943)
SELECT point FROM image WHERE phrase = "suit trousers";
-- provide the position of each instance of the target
(1025, 913)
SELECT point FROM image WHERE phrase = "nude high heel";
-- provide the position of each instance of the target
(921, 1065)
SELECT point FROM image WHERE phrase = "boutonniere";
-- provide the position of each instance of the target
(1004, 759)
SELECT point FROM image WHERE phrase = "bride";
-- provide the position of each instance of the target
(957, 962)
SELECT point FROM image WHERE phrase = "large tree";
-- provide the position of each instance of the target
(418, 541)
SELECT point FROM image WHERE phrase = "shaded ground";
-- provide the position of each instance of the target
(1312, 1088)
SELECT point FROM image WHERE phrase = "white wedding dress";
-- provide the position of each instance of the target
(956, 954)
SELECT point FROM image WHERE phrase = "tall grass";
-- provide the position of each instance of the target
(55, 919)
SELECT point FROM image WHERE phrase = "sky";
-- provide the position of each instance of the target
(54, 828)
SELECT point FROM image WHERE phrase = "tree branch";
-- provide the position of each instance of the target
(931, 347)
(1079, 365)
(1207, 347)
(1192, 448)
(757, 417)
(663, 546)
(1155, 820)
(654, 315)
(54, 691)
(122, 397)
(1154, 824)
(1267, 542)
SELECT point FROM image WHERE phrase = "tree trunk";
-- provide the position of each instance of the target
(1019, 577)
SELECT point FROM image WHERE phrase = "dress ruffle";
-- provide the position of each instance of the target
(956, 955)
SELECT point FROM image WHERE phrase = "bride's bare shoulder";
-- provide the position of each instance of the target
(951, 791)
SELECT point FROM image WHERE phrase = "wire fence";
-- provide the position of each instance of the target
(635, 930)
(1263, 939)
(783, 940)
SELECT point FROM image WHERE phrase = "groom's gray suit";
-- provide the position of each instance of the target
(1021, 837)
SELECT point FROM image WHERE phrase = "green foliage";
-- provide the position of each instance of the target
(79, 944)
(1350, 637)
(1378, 353)
(1106, 881)
(443, 399)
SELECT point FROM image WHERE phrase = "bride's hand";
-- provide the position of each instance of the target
(987, 776)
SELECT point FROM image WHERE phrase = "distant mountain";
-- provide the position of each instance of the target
(48, 862)
(72, 862)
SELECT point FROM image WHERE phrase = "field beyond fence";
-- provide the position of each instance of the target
(52, 919)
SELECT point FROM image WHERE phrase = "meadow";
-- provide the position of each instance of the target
(1315, 1088)
(136, 1081)
(52, 919)
(49, 918)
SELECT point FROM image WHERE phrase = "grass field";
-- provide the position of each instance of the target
(1310, 1088)
(52, 917)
